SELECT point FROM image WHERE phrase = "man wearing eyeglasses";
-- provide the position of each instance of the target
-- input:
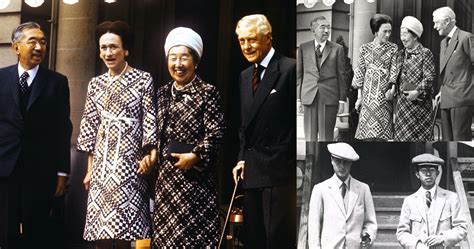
(341, 209)
(430, 217)
(35, 132)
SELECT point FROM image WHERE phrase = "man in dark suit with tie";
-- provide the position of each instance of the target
(267, 138)
(456, 95)
(321, 82)
(35, 135)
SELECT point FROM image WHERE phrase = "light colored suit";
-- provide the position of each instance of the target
(457, 86)
(330, 225)
(320, 89)
(444, 217)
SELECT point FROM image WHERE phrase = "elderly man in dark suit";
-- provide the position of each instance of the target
(455, 67)
(35, 135)
(267, 138)
(321, 82)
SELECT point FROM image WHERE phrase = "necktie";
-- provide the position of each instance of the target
(319, 56)
(428, 199)
(256, 77)
(343, 190)
(23, 83)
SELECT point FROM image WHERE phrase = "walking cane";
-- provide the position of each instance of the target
(228, 213)
(434, 118)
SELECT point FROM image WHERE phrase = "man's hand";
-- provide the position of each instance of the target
(434, 240)
(412, 95)
(235, 171)
(185, 160)
(147, 162)
(340, 108)
(60, 186)
(299, 107)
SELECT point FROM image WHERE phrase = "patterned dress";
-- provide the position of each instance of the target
(372, 74)
(186, 212)
(118, 125)
(413, 119)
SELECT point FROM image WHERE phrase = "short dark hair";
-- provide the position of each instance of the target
(119, 28)
(377, 20)
(317, 19)
(17, 33)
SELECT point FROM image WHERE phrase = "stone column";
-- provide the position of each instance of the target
(76, 53)
(363, 11)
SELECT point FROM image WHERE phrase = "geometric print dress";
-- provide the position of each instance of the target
(186, 212)
(413, 118)
(118, 126)
(372, 75)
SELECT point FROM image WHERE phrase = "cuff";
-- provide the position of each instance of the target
(198, 151)
(62, 174)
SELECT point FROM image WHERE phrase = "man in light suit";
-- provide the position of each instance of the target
(341, 211)
(267, 138)
(430, 217)
(321, 82)
(457, 87)
(35, 135)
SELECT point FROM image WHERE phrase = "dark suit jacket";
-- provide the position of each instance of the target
(329, 82)
(457, 86)
(42, 135)
(267, 131)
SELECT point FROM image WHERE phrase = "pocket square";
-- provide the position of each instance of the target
(273, 91)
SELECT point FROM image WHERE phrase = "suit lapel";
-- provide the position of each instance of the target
(270, 77)
(353, 196)
(14, 84)
(38, 84)
(247, 96)
(312, 51)
(326, 51)
(336, 195)
(437, 208)
(449, 50)
(421, 205)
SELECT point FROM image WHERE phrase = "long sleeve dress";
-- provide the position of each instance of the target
(413, 119)
(186, 212)
(372, 75)
(118, 126)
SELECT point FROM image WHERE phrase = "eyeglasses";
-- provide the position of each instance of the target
(32, 43)
(430, 170)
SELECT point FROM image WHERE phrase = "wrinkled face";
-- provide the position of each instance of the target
(341, 167)
(31, 48)
(181, 65)
(112, 52)
(384, 32)
(321, 30)
(441, 25)
(427, 176)
(407, 38)
(254, 46)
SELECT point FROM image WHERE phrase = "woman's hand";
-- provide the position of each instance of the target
(185, 160)
(87, 180)
(147, 162)
(411, 95)
(390, 94)
(358, 104)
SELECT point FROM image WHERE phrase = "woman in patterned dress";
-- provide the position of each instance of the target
(186, 213)
(371, 80)
(412, 74)
(118, 130)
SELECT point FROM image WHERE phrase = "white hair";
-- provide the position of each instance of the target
(258, 20)
(445, 12)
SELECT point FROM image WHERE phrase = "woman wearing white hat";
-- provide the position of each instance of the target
(411, 78)
(190, 133)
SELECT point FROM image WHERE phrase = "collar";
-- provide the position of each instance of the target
(339, 182)
(431, 190)
(267, 58)
(451, 33)
(32, 72)
(323, 44)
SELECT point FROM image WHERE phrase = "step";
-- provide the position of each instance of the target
(385, 245)
(388, 201)
(386, 235)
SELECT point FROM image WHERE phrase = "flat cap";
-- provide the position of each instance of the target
(343, 151)
(427, 159)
